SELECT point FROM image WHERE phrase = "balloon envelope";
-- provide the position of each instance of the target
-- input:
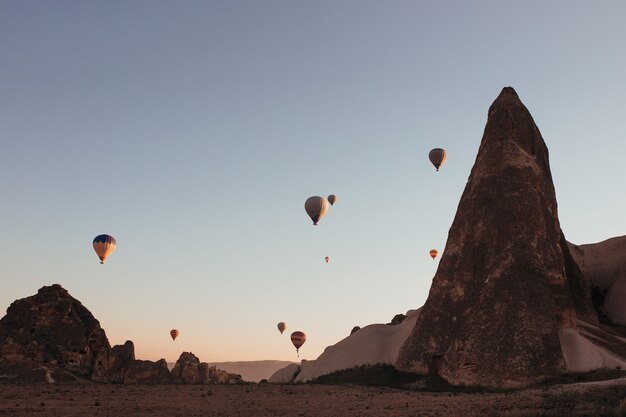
(332, 199)
(174, 333)
(433, 253)
(298, 339)
(327, 258)
(316, 207)
(437, 157)
(104, 245)
(281, 327)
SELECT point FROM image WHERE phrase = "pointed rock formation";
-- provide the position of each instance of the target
(52, 327)
(507, 286)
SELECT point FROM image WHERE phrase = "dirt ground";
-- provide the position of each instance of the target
(90, 399)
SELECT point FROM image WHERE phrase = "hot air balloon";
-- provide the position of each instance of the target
(316, 207)
(104, 245)
(281, 327)
(327, 258)
(437, 156)
(332, 199)
(433, 253)
(174, 333)
(298, 339)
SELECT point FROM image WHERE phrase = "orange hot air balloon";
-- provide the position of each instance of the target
(298, 339)
(332, 199)
(174, 333)
(433, 253)
(281, 327)
(104, 245)
(327, 258)
(437, 157)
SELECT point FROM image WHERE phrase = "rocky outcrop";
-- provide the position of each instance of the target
(189, 370)
(52, 337)
(604, 265)
(118, 365)
(52, 327)
(111, 364)
(507, 285)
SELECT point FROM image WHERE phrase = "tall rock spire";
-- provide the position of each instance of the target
(506, 284)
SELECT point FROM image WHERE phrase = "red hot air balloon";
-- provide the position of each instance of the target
(433, 253)
(174, 333)
(298, 339)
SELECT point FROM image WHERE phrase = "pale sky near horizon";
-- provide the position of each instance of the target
(194, 131)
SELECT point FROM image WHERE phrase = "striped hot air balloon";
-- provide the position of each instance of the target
(282, 327)
(298, 338)
(104, 245)
(316, 207)
(437, 157)
(174, 333)
(433, 253)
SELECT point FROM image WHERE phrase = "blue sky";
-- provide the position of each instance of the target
(193, 132)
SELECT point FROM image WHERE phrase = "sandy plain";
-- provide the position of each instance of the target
(300, 400)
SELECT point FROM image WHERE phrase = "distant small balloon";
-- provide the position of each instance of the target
(281, 327)
(433, 253)
(104, 245)
(298, 338)
(437, 157)
(327, 258)
(316, 207)
(332, 199)
(174, 333)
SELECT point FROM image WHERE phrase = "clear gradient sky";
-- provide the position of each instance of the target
(193, 131)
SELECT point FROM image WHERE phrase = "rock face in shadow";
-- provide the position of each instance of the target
(604, 265)
(189, 370)
(506, 284)
(52, 327)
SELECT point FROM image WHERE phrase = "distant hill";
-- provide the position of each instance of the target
(252, 371)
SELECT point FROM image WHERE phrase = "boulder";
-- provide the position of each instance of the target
(189, 370)
(397, 319)
(147, 372)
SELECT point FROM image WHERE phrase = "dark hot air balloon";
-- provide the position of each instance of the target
(316, 207)
(437, 157)
(433, 253)
(174, 333)
(332, 199)
(327, 259)
(281, 327)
